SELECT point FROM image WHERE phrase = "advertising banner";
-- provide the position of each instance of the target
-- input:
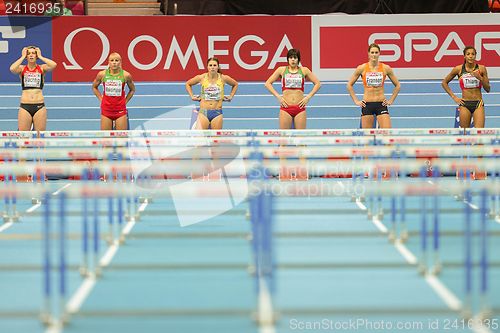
(416, 46)
(18, 32)
(175, 48)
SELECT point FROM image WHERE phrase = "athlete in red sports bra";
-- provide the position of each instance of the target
(374, 104)
(114, 113)
(472, 77)
(32, 111)
(293, 102)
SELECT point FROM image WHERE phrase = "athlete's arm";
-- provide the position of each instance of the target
(16, 67)
(190, 83)
(233, 83)
(355, 76)
(445, 84)
(130, 85)
(482, 75)
(317, 84)
(395, 82)
(49, 64)
(269, 85)
(96, 83)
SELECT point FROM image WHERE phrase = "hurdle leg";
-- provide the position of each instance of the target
(422, 267)
(437, 267)
(403, 235)
(392, 231)
(63, 315)
(111, 234)
(467, 307)
(485, 309)
(96, 237)
(46, 313)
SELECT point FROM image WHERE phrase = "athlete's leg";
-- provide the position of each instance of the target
(202, 122)
(40, 120)
(300, 120)
(121, 124)
(367, 121)
(384, 121)
(478, 117)
(106, 123)
(24, 120)
(217, 122)
(285, 120)
(465, 117)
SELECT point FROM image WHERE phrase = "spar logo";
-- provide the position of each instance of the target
(416, 42)
(7, 32)
(164, 58)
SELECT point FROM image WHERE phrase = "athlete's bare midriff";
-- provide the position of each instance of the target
(32, 96)
(293, 97)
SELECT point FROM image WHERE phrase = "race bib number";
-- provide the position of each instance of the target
(470, 81)
(32, 80)
(212, 93)
(374, 79)
(113, 88)
(293, 81)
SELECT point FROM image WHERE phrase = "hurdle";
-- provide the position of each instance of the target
(262, 213)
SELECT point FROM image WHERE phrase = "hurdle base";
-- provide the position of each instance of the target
(264, 322)
(84, 271)
(293, 174)
(385, 174)
(479, 175)
(45, 318)
(474, 174)
(213, 176)
(404, 235)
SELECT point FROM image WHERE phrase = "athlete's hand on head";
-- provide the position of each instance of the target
(24, 52)
(38, 52)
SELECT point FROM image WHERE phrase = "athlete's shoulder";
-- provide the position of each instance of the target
(281, 69)
(101, 74)
(386, 67)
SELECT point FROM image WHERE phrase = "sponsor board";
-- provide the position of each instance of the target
(167, 48)
(416, 46)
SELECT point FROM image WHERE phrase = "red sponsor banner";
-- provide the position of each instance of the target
(168, 48)
(409, 46)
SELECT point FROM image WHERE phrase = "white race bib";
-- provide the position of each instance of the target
(470, 81)
(374, 79)
(32, 79)
(113, 88)
(212, 93)
(293, 81)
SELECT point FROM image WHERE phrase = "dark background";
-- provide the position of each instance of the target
(307, 7)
